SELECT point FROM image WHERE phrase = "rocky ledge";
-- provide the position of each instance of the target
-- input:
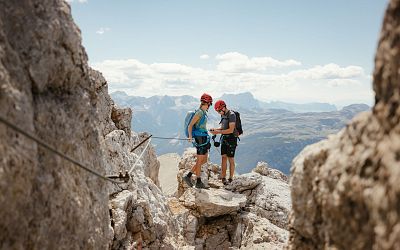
(249, 213)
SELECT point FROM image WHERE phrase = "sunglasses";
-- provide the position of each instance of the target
(219, 110)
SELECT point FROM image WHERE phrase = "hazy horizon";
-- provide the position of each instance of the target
(295, 52)
(267, 101)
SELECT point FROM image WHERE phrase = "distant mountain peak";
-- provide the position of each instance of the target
(241, 100)
(243, 94)
(119, 93)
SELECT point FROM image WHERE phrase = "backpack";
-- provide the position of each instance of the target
(195, 130)
(238, 123)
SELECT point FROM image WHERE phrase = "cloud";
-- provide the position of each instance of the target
(102, 30)
(204, 57)
(235, 62)
(326, 83)
(329, 71)
(171, 68)
(342, 82)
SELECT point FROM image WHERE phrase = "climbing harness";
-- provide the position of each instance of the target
(195, 144)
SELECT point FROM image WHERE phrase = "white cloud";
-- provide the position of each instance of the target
(343, 82)
(102, 30)
(204, 57)
(329, 71)
(235, 62)
(326, 83)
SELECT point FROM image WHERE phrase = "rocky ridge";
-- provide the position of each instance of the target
(246, 214)
(345, 189)
(48, 89)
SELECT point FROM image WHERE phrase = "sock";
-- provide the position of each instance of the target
(189, 174)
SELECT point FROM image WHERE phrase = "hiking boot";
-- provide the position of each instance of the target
(200, 184)
(224, 181)
(230, 180)
(188, 181)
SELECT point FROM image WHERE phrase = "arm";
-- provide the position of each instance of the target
(227, 131)
(221, 131)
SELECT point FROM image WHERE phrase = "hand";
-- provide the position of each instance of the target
(190, 139)
(213, 131)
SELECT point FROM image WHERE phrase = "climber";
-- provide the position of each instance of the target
(229, 134)
(197, 128)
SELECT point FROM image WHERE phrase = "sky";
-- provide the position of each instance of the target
(292, 51)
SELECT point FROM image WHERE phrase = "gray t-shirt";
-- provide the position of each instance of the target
(228, 118)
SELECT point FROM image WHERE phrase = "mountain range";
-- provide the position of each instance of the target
(274, 132)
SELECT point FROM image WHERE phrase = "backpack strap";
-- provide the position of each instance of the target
(198, 131)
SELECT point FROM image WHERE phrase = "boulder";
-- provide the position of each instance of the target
(345, 190)
(215, 202)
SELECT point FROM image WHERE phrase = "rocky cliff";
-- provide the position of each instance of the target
(139, 212)
(45, 89)
(345, 190)
(47, 202)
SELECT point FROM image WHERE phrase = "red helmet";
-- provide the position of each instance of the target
(219, 105)
(206, 98)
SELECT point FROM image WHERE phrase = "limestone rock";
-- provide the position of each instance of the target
(264, 169)
(345, 189)
(211, 203)
(187, 161)
(104, 103)
(122, 118)
(147, 220)
(249, 213)
(45, 89)
(244, 182)
(260, 233)
(272, 201)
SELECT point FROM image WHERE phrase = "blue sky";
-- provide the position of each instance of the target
(297, 51)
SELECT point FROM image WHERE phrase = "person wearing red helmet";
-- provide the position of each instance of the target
(197, 129)
(229, 136)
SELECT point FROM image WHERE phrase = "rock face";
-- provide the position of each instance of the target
(139, 212)
(249, 213)
(345, 190)
(48, 90)
(45, 89)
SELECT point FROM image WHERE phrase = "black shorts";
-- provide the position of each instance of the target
(202, 150)
(228, 145)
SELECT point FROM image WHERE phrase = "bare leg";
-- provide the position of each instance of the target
(201, 159)
(193, 169)
(205, 159)
(231, 167)
(223, 166)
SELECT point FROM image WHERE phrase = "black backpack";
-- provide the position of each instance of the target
(238, 124)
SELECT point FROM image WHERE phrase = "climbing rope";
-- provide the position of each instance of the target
(148, 143)
(173, 138)
(55, 151)
(141, 143)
